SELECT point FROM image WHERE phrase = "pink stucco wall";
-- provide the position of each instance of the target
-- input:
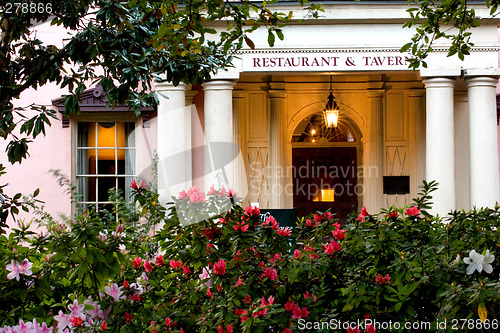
(54, 150)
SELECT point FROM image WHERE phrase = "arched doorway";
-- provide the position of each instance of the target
(325, 161)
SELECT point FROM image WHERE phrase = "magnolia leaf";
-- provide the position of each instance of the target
(249, 42)
(483, 313)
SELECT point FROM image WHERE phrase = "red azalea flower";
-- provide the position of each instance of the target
(229, 329)
(413, 211)
(159, 260)
(289, 306)
(296, 254)
(370, 329)
(298, 313)
(306, 295)
(270, 273)
(219, 288)
(239, 282)
(339, 234)
(186, 269)
(364, 211)
(209, 293)
(247, 299)
(104, 326)
(125, 284)
(76, 321)
(287, 331)
(168, 322)
(128, 318)
(387, 278)
(220, 329)
(220, 267)
(360, 218)
(175, 264)
(134, 185)
(393, 214)
(353, 330)
(285, 232)
(252, 210)
(241, 226)
(379, 279)
(137, 262)
(147, 266)
(309, 223)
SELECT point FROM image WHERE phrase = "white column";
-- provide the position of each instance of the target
(174, 140)
(279, 181)
(373, 198)
(483, 141)
(440, 142)
(462, 151)
(218, 119)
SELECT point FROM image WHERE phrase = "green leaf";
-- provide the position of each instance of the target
(271, 38)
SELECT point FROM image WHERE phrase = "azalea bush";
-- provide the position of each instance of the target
(203, 263)
(404, 265)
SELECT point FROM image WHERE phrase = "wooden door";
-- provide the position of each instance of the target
(325, 178)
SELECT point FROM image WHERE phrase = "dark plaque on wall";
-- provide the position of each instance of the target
(396, 184)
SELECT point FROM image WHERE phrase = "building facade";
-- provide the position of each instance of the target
(261, 126)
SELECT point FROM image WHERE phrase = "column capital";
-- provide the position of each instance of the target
(218, 85)
(481, 81)
(439, 82)
(169, 86)
(375, 93)
(277, 93)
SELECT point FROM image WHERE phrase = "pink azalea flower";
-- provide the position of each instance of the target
(77, 310)
(183, 195)
(63, 321)
(25, 267)
(114, 291)
(220, 267)
(13, 268)
(212, 190)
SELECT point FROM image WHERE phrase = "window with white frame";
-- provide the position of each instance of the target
(105, 160)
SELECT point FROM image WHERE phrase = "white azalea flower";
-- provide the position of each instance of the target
(488, 259)
(479, 262)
